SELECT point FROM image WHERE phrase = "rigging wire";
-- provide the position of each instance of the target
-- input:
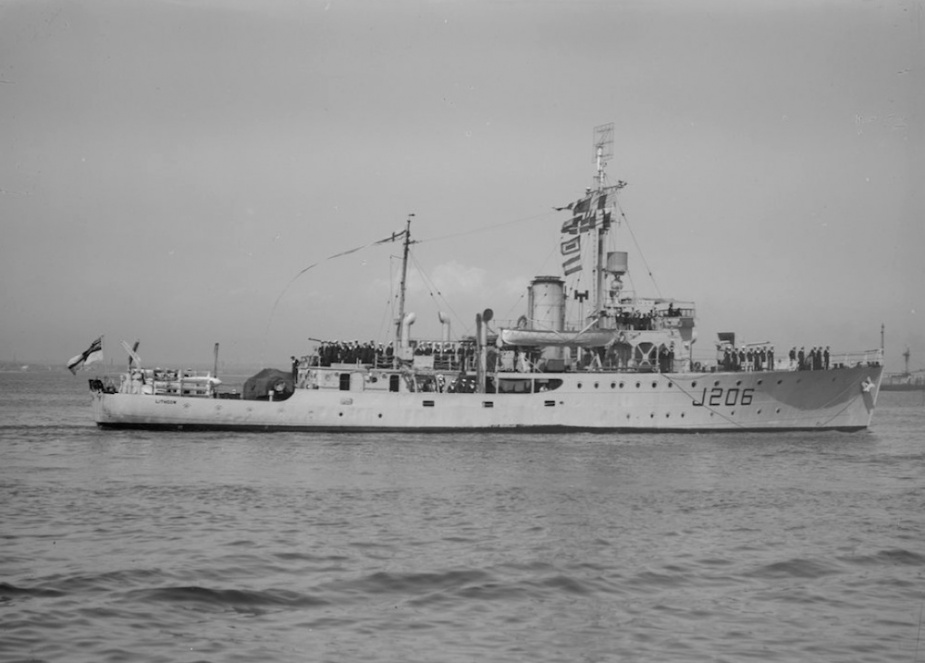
(616, 202)
(475, 231)
(395, 236)
(638, 248)
(432, 287)
(387, 314)
(392, 238)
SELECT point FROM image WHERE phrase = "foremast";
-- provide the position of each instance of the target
(596, 209)
(602, 230)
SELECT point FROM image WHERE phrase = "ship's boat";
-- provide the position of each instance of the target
(626, 365)
(269, 384)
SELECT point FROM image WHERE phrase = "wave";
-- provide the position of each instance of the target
(795, 568)
(9, 591)
(892, 557)
(242, 600)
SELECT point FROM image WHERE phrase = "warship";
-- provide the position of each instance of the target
(625, 364)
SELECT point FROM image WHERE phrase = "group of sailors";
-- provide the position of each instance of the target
(445, 350)
(353, 352)
(636, 320)
(817, 359)
(644, 320)
(448, 353)
(748, 358)
(455, 355)
(761, 358)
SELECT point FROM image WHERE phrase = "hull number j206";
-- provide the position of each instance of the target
(720, 396)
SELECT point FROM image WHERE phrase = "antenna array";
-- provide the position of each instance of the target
(603, 141)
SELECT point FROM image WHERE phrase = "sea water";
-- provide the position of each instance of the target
(142, 546)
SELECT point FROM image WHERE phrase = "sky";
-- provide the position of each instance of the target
(169, 166)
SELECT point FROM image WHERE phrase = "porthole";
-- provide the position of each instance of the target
(667, 414)
(716, 383)
(613, 385)
(654, 385)
(596, 385)
(759, 411)
(380, 415)
(652, 415)
(579, 385)
(694, 384)
(760, 381)
(638, 384)
(621, 385)
(778, 410)
(682, 415)
(738, 382)
(779, 381)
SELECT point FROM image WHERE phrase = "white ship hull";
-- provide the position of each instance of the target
(841, 399)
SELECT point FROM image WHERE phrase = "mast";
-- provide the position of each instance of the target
(601, 232)
(603, 148)
(404, 277)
